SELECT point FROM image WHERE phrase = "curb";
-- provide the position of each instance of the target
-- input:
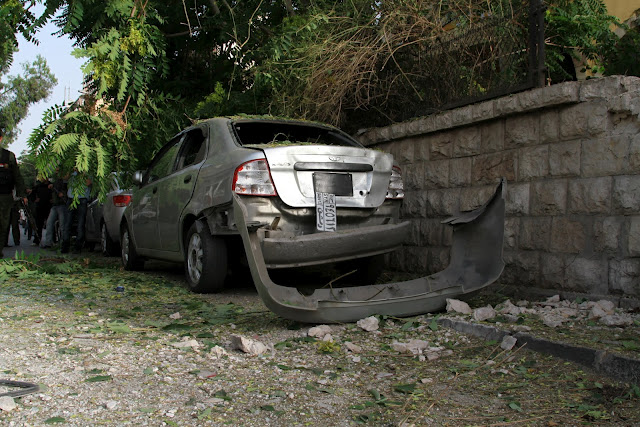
(618, 367)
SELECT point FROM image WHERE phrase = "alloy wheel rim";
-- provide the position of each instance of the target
(194, 259)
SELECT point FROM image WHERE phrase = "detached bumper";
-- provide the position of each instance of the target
(333, 246)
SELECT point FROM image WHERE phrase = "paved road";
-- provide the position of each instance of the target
(25, 246)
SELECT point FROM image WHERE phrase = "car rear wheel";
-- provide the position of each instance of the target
(130, 259)
(109, 247)
(206, 260)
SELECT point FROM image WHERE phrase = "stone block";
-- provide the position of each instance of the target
(398, 130)
(549, 197)
(461, 116)
(442, 121)
(413, 128)
(549, 126)
(634, 236)
(483, 111)
(506, 105)
(414, 204)
(442, 202)
(535, 234)
(415, 259)
(522, 268)
(589, 196)
(492, 136)
(626, 194)
(522, 130)
(438, 259)
(634, 153)
(415, 238)
(511, 233)
(441, 146)
(587, 275)
(489, 168)
(564, 158)
(553, 268)
(422, 147)
(605, 156)
(466, 141)
(431, 232)
(436, 174)
(607, 234)
(413, 176)
(404, 152)
(474, 197)
(533, 162)
(624, 276)
(426, 125)
(597, 89)
(574, 121)
(518, 196)
(568, 235)
(599, 120)
(460, 172)
(563, 93)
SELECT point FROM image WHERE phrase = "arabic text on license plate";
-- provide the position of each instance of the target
(326, 212)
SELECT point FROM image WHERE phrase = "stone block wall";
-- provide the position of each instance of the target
(571, 157)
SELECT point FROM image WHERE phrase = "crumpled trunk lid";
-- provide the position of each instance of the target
(358, 177)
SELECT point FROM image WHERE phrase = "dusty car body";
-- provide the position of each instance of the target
(103, 219)
(316, 195)
(285, 194)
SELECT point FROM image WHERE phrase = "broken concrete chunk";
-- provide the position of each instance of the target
(551, 320)
(353, 348)
(413, 346)
(597, 312)
(247, 345)
(508, 342)
(319, 331)
(175, 316)
(217, 352)
(553, 299)
(617, 320)
(507, 307)
(327, 338)
(458, 306)
(111, 405)
(607, 306)
(368, 324)
(484, 313)
(186, 344)
(7, 404)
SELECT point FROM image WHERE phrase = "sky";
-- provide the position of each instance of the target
(67, 69)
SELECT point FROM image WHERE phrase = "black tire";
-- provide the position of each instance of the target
(367, 270)
(108, 246)
(205, 264)
(130, 259)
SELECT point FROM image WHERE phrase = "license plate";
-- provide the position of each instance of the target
(326, 219)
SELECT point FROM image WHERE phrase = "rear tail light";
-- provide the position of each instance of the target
(121, 200)
(253, 178)
(396, 187)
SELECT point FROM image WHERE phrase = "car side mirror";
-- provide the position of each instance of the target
(138, 176)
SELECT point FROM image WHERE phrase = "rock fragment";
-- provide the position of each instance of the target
(217, 352)
(412, 347)
(353, 348)
(458, 306)
(368, 324)
(484, 313)
(249, 346)
(617, 320)
(186, 344)
(508, 342)
(319, 331)
(7, 404)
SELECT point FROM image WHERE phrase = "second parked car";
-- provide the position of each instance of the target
(103, 219)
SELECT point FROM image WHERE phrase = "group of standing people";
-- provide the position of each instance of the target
(47, 201)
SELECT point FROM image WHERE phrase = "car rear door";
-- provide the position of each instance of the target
(178, 187)
(144, 209)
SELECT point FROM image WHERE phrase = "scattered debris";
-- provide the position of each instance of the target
(249, 346)
(484, 313)
(617, 320)
(7, 404)
(508, 342)
(186, 344)
(413, 346)
(353, 348)
(175, 316)
(369, 324)
(217, 352)
(458, 306)
(111, 405)
(319, 331)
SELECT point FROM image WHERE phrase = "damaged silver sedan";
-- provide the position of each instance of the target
(264, 194)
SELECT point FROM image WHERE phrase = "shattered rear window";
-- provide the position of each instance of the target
(275, 134)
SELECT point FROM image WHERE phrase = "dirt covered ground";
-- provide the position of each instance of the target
(156, 354)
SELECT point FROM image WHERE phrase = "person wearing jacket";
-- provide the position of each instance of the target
(10, 180)
(58, 211)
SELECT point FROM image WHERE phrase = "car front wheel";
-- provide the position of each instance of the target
(130, 259)
(206, 260)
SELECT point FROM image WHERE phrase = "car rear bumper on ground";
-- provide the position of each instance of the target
(320, 248)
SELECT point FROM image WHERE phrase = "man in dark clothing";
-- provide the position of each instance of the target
(58, 212)
(43, 196)
(10, 179)
(14, 223)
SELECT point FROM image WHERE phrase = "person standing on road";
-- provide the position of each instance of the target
(58, 211)
(10, 180)
(78, 211)
(43, 206)
(14, 223)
